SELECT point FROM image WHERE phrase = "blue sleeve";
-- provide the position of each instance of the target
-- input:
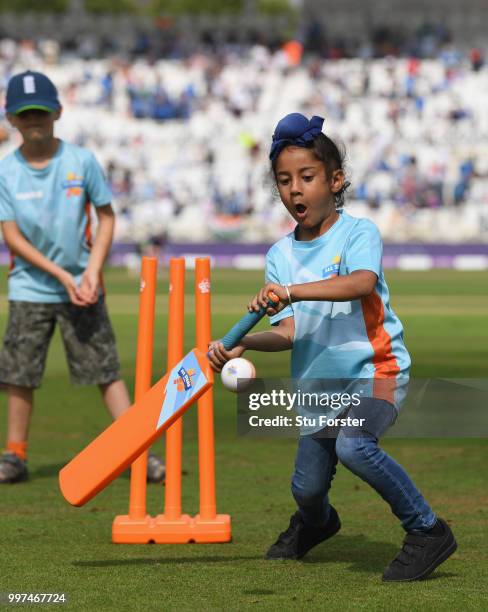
(7, 212)
(274, 275)
(97, 189)
(365, 248)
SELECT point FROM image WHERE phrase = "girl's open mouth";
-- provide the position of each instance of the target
(301, 209)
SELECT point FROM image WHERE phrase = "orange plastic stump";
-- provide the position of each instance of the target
(132, 527)
(207, 526)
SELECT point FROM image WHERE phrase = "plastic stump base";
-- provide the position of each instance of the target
(162, 530)
(217, 529)
(128, 530)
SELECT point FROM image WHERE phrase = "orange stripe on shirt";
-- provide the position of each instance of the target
(384, 361)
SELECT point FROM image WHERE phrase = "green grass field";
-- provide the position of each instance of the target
(48, 546)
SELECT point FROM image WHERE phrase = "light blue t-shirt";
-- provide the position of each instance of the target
(51, 207)
(359, 339)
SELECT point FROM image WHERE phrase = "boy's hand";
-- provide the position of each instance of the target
(89, 285)
(261, 299)
(75, 295)
(218, 356)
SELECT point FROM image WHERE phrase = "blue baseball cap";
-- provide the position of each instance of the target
(31, 90)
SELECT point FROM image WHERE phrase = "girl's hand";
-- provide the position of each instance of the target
(261, 299)
(218, 356)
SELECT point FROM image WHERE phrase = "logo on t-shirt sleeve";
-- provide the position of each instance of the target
(73, 184)
(333, 269)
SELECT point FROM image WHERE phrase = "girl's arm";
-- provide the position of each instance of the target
(280, 338)
(353, 286)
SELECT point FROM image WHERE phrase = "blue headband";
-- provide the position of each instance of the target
(294, 129)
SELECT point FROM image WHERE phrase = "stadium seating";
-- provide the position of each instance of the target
(184, 141)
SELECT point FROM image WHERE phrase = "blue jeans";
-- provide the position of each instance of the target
(357, 449)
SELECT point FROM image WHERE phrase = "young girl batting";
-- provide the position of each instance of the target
(334, 315)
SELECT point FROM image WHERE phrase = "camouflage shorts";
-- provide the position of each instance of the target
(88, 339)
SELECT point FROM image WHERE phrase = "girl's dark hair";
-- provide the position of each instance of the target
(333, 157)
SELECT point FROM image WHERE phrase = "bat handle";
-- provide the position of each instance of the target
(248, 321)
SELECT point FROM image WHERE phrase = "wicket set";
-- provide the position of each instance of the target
(173, 527)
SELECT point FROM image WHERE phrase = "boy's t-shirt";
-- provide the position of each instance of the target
(51, 207)
(359, 339)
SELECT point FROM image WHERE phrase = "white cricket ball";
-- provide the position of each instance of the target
(233, 373)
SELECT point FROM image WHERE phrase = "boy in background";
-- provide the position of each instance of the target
(46, 189)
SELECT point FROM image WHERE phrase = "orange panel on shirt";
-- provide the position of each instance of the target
(384, 361)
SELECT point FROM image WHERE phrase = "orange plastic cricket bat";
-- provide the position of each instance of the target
(134, 432)
(131, 434)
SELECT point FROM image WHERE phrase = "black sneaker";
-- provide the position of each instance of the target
(156, 470)
(421, 553)
(12, 468)
(298, 539)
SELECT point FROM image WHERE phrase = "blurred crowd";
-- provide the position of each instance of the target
(184, 140)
